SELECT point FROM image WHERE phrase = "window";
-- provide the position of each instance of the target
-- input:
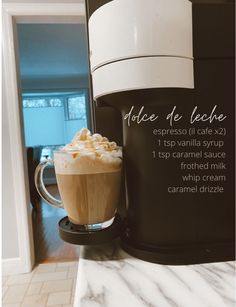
(38, 102)
(76, 107)
(53, 118)
(74, 103)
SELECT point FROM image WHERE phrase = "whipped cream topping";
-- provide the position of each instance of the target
(88, 153)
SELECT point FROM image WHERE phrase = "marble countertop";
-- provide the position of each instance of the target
(109, 277)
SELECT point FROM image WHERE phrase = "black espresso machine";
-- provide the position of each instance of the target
(162, 80)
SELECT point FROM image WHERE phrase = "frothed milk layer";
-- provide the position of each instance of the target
(88, 154)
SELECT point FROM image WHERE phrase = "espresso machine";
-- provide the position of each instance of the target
(155, 66)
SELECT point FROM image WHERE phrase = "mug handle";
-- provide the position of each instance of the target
(39, 184)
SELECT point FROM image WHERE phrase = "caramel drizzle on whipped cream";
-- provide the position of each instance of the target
(94, 145)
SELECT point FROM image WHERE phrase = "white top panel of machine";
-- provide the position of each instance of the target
(124, 29)
(143, 73)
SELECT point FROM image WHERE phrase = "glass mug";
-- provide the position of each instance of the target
(89, 197)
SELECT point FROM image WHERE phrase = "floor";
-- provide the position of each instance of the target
(50, 284)
(48, 245)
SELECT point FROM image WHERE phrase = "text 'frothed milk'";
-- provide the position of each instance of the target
(88, 153)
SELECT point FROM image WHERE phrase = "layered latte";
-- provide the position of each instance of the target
(88, 172)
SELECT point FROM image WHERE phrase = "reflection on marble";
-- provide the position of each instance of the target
(108, 277)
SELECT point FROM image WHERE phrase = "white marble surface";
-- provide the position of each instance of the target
(108, 277)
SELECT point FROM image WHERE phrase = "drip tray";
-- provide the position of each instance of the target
(69, 233)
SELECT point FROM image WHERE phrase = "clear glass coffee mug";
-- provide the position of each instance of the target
(89, 193)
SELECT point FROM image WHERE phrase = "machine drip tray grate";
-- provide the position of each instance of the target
(72, 234)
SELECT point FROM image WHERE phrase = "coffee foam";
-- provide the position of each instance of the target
(88, 154)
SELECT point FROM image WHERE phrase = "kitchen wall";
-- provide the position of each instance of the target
(54, 82)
